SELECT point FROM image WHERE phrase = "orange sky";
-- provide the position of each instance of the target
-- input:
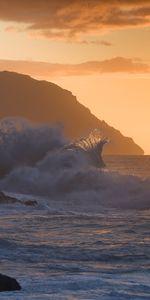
(100, 50)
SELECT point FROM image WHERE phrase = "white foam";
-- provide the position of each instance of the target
(64, 176)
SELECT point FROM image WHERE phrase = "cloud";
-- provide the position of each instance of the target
(65, 19)
(43, 69)
(96, 42)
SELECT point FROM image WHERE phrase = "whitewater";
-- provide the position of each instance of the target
(88, 235)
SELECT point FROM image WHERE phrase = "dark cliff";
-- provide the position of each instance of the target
(42, 101)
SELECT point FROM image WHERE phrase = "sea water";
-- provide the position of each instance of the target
(88, 237)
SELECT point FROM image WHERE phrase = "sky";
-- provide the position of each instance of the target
(99, 50)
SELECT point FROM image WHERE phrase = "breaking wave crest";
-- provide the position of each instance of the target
(37, 160)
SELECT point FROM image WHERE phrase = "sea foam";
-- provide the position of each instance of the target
(37, 160)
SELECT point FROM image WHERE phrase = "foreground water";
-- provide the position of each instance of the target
(77, 255)
(89, 235)
(72, 256)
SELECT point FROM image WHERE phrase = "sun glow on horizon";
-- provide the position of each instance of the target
(120, 105)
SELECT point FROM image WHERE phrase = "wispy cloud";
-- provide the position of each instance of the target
(96, 42)
(43, 69)
(65, 19)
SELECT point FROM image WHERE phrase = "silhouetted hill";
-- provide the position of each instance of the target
(42, 101)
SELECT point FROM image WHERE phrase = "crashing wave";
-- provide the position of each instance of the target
(91, 146)
(36, 160)
(24, 143)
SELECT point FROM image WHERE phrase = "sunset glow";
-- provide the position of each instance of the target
(75, 149)
(99, 50)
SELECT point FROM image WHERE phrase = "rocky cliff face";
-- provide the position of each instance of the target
(42, 101)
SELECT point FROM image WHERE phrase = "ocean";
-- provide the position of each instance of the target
(88, 237)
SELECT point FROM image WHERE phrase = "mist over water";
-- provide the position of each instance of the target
(24, 143)
(37, 160)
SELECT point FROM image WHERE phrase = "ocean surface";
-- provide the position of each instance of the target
(88, 237)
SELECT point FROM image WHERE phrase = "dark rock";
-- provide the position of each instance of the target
(4, 199)
(7, 199)
(8, 283)
(30, 202)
